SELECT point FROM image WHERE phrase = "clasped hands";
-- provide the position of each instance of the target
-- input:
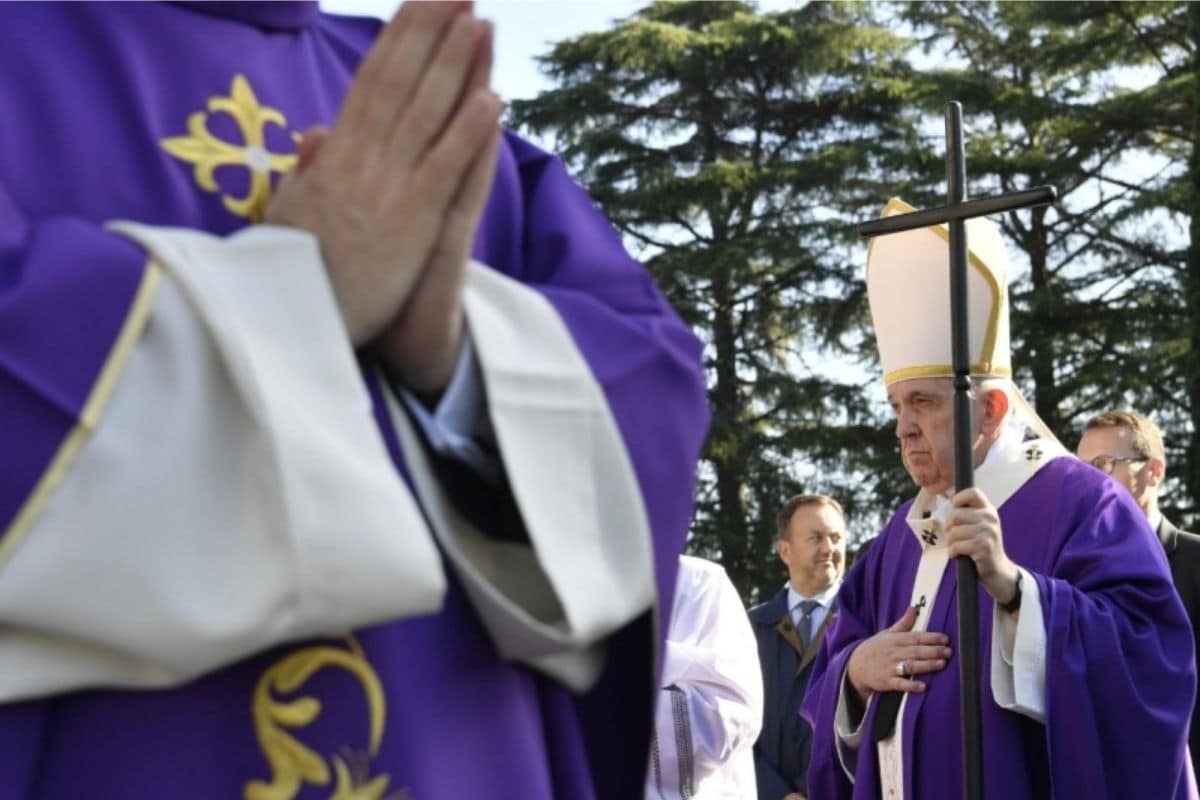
(892, 659)
(394, 191)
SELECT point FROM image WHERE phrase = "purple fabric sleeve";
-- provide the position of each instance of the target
(542, 229)
(640, 352)
(65, 290)
(1120, 663)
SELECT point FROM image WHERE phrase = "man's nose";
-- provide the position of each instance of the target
(905, 425)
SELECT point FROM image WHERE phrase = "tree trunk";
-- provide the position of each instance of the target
(729, 460)
(1042, 329)
(1191, 474)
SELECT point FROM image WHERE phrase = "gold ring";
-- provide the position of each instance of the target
(902, 670)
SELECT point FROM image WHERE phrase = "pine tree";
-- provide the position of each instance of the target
(1099, 99)
(734, 150)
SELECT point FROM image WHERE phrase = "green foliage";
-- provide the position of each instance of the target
(1099, 100)
(735, 149)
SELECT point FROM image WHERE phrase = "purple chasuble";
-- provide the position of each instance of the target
(95, 102)
(1120, 669)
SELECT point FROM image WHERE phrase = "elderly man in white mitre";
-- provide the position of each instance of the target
(1088, 667)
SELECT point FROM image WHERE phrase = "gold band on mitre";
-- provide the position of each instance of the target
(944, 371)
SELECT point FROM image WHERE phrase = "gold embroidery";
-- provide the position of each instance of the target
(355, 782)
(292, 763)
(208, 152)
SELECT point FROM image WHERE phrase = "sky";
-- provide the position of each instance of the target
(525, 29)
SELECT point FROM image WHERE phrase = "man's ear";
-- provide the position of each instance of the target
(995, 408)
(1156, 471)
(784, 549)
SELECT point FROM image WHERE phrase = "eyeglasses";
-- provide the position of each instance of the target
(1107, 463)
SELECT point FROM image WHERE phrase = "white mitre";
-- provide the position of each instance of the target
(908, 285)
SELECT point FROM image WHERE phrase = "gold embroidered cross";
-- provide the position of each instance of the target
(207, 152)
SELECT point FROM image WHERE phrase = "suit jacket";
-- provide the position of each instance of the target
(781, 753)
(1183, 554)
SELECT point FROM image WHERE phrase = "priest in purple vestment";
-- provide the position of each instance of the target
(1088, 667)
(347, 454)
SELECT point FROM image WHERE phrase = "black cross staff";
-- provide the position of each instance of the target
(956, 212)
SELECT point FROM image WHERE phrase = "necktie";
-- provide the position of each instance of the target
(804, 624)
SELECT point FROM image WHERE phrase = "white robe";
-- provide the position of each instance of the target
(710, 704)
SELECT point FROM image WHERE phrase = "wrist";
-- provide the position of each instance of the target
(427, 368)
(860, 691)
(1010, 599)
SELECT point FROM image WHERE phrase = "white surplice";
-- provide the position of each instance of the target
(710, 704)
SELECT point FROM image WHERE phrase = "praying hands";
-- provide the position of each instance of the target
(395, 190)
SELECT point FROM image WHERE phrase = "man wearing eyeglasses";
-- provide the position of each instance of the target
(1129, 447)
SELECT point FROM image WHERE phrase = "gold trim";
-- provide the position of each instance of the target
(978, 370)
(988, 355)
(93, 408)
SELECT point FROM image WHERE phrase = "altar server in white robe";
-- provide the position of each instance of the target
(709, 710)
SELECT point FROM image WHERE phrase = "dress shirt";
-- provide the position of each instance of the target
(818, 615)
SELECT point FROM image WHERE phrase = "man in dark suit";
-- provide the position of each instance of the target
(1129, 447)
(811, 542)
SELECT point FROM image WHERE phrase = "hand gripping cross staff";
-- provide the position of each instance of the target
(956, 212)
